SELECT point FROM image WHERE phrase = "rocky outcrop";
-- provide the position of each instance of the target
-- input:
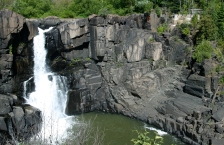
(114, 65)
(17, 122)
(119, 65)
(11, 23)
(16, 34)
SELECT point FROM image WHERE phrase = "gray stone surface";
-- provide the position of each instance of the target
(154, 51)
(113, 65)
(219, 115)
(10, 22)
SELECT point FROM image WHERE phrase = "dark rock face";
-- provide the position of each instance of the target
(17, 122)
(10, 22)
(16, 34)
(114, 65)
(117, 65)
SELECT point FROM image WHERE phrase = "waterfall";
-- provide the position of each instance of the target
(24, 86)
(50, 95)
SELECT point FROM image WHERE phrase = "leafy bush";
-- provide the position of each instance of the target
(6, 3)
(143, 139)
(185, 28)
(148, 7)
(218, 53)
(186, 31)
(194, 21)
(162, 28)
(34, 8)
(143, 6)
(203, 51)
(158, 11)
(206, 29)
(219, 68)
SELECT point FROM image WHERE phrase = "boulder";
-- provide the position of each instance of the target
(6, 103)
(18, 120)
(219, 115)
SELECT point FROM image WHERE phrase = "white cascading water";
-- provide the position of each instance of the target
(50, 95)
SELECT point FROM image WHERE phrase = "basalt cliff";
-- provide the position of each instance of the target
(113, 64)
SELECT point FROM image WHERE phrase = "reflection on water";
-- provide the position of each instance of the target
(119, 130)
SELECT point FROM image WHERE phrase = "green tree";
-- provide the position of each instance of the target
(158, 11)
(194, 21)
(207, 28)
(203, 51)
(220, 21)
(143, 6)
(32, 8)
(5, 4)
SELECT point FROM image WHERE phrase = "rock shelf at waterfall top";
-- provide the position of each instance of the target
(112, 64)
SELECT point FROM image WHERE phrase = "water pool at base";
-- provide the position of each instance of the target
(119, 130)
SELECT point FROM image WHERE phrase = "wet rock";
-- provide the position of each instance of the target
(50, 78)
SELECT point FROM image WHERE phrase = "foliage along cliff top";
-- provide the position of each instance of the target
(84, 8)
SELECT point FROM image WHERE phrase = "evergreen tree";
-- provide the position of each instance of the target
(220, 21)
(207, 28)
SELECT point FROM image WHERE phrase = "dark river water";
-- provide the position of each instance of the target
(119, 130)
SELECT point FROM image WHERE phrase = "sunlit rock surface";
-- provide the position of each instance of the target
(120, 65)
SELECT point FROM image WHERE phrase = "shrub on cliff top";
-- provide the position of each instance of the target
(162, 28)
(203, 51)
